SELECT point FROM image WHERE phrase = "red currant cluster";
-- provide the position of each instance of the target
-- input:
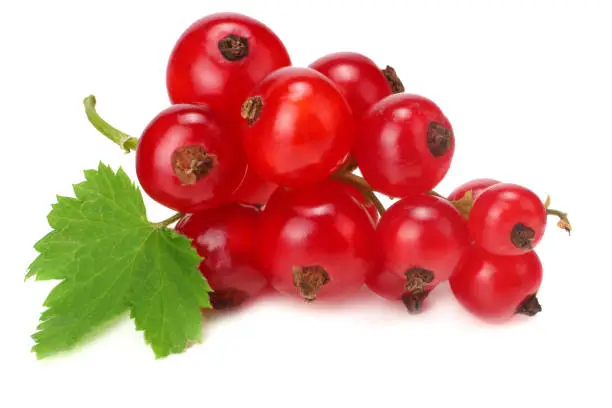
(261, 156)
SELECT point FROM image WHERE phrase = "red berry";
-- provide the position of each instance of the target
(298, 127)
(404, 145)
(219, 59)
(254, 189)
(476, 186)
(496, 287)
(187, 160)
(421, 240)
(359, 79)
(316, 242)
(225, 237)
(507, 219)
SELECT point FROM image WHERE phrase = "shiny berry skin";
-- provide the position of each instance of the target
(254, 189)
(225, 237)
(361, 82)
(495, 287)
(404, 145)
(298, 128)
(421, 240)
(219, 59)
(476, 186)
(507, 219)
(187, 160)
(316, 242)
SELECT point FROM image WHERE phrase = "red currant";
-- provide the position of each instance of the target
(316, 242)
(404, 145)
(422, 239)
(187, 160)
(496, 287)
(298, 127)
(220, 58)
(254, 189)
(507, 219)
(476, 186)
(225, 237)
(359, 79)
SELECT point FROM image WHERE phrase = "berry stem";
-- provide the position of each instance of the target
(351, 165)
(354, 180)
(379, 206)
(563, 222)
(125, 141)
(362, 186)
(163, 224)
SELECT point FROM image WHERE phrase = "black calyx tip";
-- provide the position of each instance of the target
(394, 81)
(530, 306)
(251, 109)
(439, 139)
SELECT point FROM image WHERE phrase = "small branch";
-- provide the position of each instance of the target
(379, 206)
(125, 141)
(351, 165)
(563, 222)
(354, 180)
(165, 223)
(363, 186)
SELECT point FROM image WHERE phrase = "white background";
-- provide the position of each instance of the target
(526, 85)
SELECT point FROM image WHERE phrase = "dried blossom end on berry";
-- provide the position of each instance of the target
(530, 306)
(522, 236)
(251, 109)
(192, 163)
(394, 82)
(233, 47)
(308, 280)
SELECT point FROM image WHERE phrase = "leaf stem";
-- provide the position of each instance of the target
(165, 223)
(125, 141)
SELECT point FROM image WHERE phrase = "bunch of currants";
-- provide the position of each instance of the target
(260, 156)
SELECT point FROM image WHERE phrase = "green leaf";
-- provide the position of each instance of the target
(111, 260)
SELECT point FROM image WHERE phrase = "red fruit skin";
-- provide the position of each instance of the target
(197, 72)
(496, 212)
(476, 186)
(305, 129)
(225, 237)
(318, 225)
(392, 150)
(492, 287)
(423, 232)
(188, 125)
(254, 189)
(359, 79)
